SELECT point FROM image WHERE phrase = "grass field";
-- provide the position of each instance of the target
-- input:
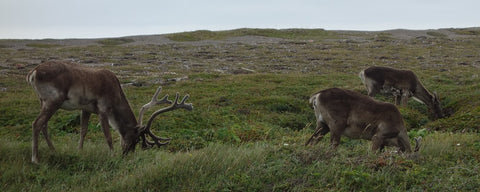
(251, 115)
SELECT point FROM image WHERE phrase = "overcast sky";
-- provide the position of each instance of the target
(37, 19)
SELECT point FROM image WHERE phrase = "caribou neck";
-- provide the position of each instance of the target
(431, 100)
(122, 118)
(423, 95)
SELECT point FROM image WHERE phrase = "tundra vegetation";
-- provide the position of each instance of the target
(250, 88)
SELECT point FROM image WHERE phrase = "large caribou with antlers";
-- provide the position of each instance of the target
(403, 84)
(347, 113)
(70, 86)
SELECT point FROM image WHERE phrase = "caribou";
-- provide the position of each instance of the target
(71, 86)
(347, 113)
(403, 84)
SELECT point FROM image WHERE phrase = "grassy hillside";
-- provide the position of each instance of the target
(250, 90)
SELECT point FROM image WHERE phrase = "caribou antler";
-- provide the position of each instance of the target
(152, 103)
(146, 129)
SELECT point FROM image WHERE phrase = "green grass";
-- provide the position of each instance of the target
(115, 41)
(467, 31)
(311, 34)
(246, 132)
(258, 166)
(43, 45)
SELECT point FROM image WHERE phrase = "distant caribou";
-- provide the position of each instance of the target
(347, 113)
(402, 84)
(70, 86)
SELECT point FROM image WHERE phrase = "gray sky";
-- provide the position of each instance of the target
(37, 19)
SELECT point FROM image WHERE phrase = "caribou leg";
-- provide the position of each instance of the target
(40, 124)
(106, 129)
(84, 127)
(321, 130)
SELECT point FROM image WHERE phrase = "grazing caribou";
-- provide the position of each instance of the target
(402, 84)
(70, 86)
(357, 116)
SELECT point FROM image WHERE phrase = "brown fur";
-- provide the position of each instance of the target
(347, 113)
(403, 84)
(63, 85)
